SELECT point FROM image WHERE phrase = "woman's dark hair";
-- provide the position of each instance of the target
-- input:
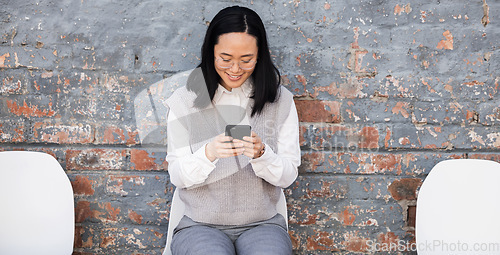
(266, 77)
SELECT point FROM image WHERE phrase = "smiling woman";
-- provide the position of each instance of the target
(230, 187)
(235, 47)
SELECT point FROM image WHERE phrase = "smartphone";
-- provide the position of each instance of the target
(238, 131)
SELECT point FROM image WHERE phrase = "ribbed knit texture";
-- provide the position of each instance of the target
(230, 196)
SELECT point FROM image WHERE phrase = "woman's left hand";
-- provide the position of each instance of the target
(254, 148)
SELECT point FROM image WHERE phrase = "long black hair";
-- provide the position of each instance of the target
(266, 77)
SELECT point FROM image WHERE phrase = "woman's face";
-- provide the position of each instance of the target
(240, 50)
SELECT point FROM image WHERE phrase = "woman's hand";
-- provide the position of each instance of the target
(223, 147)
(254, 148)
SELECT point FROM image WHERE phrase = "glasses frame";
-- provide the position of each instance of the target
(232, 64)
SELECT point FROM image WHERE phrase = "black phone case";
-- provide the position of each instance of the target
(238, 131)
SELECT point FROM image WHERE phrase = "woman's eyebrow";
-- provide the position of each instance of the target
(229, 55)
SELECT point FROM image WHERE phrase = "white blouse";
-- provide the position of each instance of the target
(187, 168)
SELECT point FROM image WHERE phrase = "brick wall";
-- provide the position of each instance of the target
(384, 89)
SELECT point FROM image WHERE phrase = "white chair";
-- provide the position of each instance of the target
(37, 207)
(177, 212)
(458, 207)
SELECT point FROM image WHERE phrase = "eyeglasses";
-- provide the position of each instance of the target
(227, 63)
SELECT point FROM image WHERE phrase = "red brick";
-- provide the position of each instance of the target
(493, 157)
(82, 186)
(311, 161)
(63, 134)
(333, 136)
(29, 110)
(141, 160)
(369, 138)
(302, 132)
(412, 216)
(78, 237)
(95, 159)
(117, 135)
(101, 211)
(82, 211)
(318, 111)
(114, 184)
(405, 189)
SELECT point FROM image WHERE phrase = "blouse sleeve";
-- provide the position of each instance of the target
(280, 168)
(185, 167)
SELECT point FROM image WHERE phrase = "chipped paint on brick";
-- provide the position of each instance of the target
(12, 132)
(112, 213)
(400, 9)
(347, 217)
(29, 110)
(82, 211)
(321, 241)
(355, 243)
(135, 216)
(95, 159)
(383, 95)
(11, 86)
(352, 88)
(142, 161)
(115, 184)
(447, 43)
(401, 108)
(322, 111)
(388, 241)
(63, 134)
(405, 189)
(82, 185)
(367, 137)
(495, 139)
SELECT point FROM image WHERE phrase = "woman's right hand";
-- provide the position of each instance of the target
(223, 147)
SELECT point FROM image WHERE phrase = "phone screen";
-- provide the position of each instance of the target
(238, 131)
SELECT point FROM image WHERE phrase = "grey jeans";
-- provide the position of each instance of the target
(264, 237)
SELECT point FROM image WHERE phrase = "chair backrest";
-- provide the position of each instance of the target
(37, 207)
(177, 212)
(458, 207)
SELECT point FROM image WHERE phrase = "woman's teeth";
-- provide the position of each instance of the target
(233, 77)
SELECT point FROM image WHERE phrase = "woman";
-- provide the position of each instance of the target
(230, 187)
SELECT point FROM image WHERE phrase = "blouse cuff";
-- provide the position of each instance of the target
(266, 158)
(206, 165)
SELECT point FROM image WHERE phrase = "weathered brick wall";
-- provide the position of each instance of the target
(384, 89)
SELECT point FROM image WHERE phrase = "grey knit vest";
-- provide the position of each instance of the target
(230, 196)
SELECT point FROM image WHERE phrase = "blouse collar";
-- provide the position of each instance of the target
(245, 89)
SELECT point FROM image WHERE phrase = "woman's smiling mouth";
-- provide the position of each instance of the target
(234, 77)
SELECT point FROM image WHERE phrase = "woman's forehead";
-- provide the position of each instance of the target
(236, 44)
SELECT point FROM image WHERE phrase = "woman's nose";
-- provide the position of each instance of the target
(235, 67)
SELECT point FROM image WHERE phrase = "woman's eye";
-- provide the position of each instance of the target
(246, 61)
(226, 60)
